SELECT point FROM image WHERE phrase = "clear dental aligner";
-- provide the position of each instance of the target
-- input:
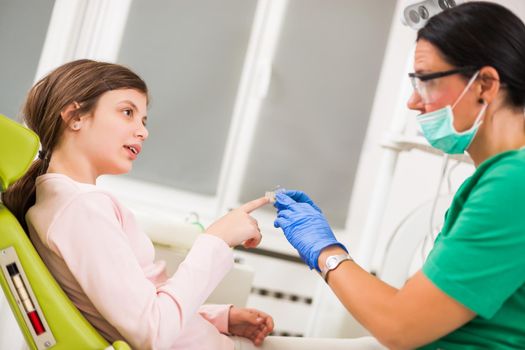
(271, 194)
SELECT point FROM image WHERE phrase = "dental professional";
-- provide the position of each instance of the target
(469, 85)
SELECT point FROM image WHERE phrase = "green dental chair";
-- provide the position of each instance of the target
(45, 315)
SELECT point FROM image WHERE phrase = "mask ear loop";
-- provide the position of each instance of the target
(481, 113)
(470, 82)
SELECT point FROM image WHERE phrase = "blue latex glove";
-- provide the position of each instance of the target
(304, 226)
(301, 197)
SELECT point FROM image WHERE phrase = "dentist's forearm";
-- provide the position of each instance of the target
(366, 297)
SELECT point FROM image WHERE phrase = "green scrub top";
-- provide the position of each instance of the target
(479, 257)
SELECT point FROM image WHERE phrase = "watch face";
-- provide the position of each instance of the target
(331, 262)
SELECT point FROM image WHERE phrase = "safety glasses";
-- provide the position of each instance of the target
(425, 84)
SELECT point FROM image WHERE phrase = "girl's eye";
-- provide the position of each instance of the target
(128, 112)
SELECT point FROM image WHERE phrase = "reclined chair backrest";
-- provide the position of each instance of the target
(46, 316)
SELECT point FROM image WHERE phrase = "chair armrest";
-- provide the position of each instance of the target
(176, 234)
(293, 343)
(174, 238)
(119, 345)
(234, 288)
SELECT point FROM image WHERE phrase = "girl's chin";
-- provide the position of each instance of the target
(120, 170)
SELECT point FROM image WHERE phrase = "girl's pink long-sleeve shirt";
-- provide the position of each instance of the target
(105, 264)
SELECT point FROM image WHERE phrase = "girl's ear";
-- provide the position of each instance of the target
(71, 119)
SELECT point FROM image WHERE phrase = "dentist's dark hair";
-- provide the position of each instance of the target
(81, 82)
(482, 34)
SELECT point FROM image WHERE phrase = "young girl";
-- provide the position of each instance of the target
(91, 120)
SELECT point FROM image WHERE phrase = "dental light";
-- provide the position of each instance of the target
(417, 12)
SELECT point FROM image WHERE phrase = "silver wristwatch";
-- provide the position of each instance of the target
(332, 262)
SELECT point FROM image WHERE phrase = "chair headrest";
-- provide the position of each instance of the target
(18, 147)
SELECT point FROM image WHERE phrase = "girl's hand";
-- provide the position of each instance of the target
(249, 323)
(238, 226)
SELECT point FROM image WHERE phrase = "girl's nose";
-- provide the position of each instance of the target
(142, 132)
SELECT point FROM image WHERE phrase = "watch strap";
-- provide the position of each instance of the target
(332, 262)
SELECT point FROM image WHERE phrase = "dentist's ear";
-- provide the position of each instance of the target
(489, 86)
(70, 116)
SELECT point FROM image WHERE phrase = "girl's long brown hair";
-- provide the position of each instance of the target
(82, 82)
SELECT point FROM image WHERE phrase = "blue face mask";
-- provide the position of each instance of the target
(438, 127)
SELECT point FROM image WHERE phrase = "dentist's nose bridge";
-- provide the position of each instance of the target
(415, 101)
